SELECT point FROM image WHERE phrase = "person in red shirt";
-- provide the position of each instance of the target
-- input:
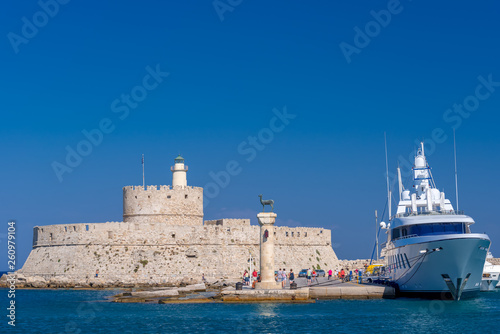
(342, 274)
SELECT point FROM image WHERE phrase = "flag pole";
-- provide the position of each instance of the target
(143, 184)
(456, 174)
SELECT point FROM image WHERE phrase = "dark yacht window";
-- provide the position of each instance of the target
(438, 228)
(429, 229)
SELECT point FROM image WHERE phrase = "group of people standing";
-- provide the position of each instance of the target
(345, 276)
(311, 275)
(250, 279)
(283, 276)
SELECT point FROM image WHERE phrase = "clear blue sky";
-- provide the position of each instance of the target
(228, 68)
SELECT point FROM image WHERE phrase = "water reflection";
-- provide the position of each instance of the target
(267, 310)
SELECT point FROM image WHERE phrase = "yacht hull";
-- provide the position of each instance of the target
(448, 267)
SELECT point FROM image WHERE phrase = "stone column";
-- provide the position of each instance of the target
(266, 222)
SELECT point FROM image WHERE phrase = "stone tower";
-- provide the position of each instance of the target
(176, 205)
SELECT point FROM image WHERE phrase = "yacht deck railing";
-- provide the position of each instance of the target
(418, 213)
(406, 237)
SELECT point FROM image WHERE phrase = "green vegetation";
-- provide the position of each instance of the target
(143, 262)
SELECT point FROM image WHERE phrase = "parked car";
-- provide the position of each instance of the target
(320, 273)
(303, 273)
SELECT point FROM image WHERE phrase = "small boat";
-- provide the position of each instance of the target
(490, 281)
(492, 267)
(491, 275)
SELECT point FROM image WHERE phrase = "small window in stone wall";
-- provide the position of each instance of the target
(169, 196)
(173, 235)
(286, 234)
(135, 197)
(321, 231)
(298, 234)
(74, 228)
(65, 229)
(274, 233)
(86, 227)
(292, 234)
(305, 234)
(185, 196)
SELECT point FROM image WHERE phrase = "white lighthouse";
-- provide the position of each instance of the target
(179, 172)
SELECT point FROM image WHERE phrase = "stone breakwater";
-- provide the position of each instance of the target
(158, 254)
(199, 293)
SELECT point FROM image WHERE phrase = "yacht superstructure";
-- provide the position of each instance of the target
(430, 249)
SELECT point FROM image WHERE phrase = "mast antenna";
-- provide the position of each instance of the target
(376, 233)
(456, 173)
(400, 182)
(143, 184)
(387, 176)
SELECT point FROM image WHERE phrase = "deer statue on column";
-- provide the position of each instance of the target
(269, 202)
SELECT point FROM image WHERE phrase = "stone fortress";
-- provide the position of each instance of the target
(163, 239)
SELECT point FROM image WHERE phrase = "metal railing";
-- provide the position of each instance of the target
(418, 213)
(172, 168)
(406, 237)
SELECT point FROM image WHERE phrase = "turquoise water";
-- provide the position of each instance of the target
(68, 311)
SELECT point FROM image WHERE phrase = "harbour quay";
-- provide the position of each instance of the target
(201, 293)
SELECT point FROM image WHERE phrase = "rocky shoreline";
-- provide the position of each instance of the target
(61, 282)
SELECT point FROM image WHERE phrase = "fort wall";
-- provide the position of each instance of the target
(158, 253)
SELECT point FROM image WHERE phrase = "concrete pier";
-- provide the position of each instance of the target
(337, 291)
(352, 291)
(197, 294)
(282, 295)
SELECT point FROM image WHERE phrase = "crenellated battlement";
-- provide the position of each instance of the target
(222, 231)
(153, 188)
(229, 222)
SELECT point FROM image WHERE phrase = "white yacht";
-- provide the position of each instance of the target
(430, 249)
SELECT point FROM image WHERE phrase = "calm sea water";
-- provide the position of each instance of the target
(67, 311)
